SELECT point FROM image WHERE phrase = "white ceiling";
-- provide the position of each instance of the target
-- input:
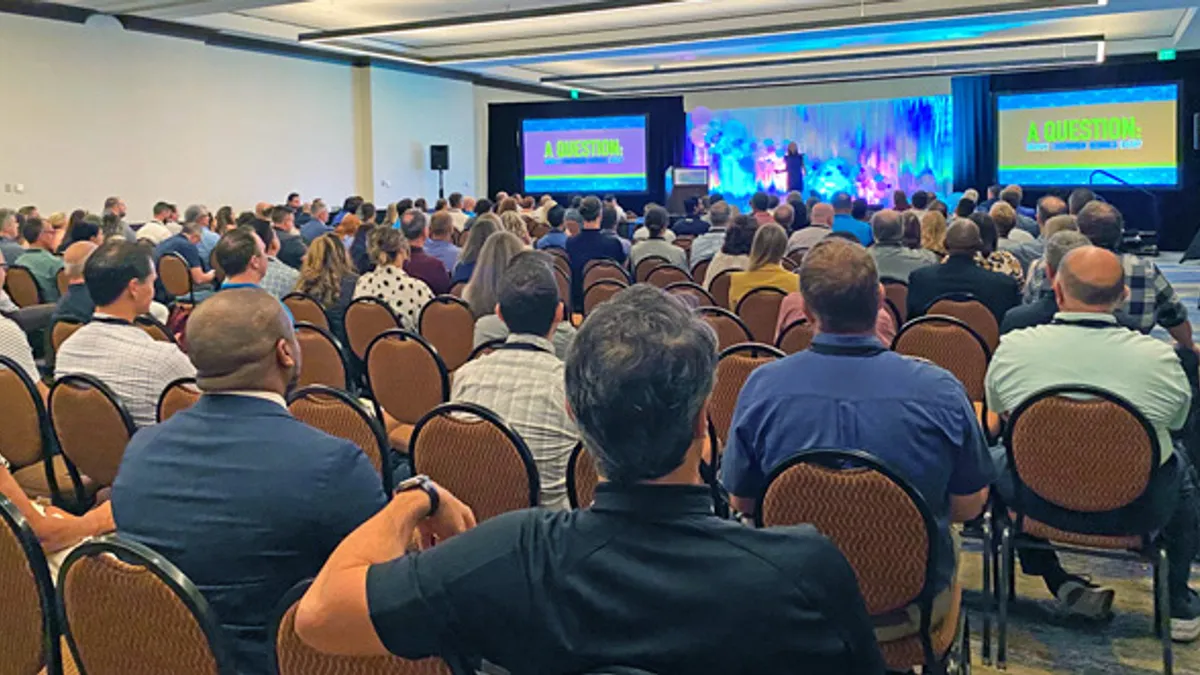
(626, 47)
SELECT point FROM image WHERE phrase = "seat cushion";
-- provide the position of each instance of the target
(905, 653)
(399, 435)
(32, 480)
(1035, 528)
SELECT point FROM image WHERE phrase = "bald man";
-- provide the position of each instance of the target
(76, 304)
(819, 226)
(243, 497)
(961, 274)
(1086, 346)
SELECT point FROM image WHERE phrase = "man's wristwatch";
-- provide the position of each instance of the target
(422, 482)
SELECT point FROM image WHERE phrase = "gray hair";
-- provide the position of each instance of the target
(637, 376)
(194, 213)
(720, 214)
(7, 215)
(886, 226)
(1062, 243)
(572, 216)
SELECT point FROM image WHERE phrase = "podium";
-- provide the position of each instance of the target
(683, 182)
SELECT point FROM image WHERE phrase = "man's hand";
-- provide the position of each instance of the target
(452, 517)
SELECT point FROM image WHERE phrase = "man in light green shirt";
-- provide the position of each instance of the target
(39, 258)
(1086, 346)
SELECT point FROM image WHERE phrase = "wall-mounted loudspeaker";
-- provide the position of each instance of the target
(439, 157)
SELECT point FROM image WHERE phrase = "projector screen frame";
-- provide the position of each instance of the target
(1180, 140)
(645, 149)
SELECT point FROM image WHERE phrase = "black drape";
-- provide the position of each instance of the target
(974, 132)
(666, 132)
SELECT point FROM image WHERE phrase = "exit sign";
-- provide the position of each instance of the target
(1166, 55)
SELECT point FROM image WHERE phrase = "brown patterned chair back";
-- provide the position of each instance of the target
(406, 375)
(321, 358)
(692, 293)
(795, 337)
(796, 258)
(971, 312)
(600, 292)
(684, 241)
(366, 319)
(788, 264)
(177, 397)
(842, 495)
(561, 260)
(471, 452)
(665, 275)
(1083, 449)
(127, 611)
(604, 269)
(700, 269)
(91, 425)
(291, 656)
(949, 343)
(60, 280)
(730, 329)
(563, 279)
(448, 324)
(62, 329)
(642, 271)
(583, 476)
(760, 310)
(22, 442)
(733, 369)
(306, 309)
(174, 274)
(338, 414)
(154, 329)
(719, 288)
(28, 624)
(897, 291)
(22, 286)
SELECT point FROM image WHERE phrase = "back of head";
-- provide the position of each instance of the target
(769, 245)
(1060, 244)
(1012, 195)
(590, 209)
(1090, 277)
(366, 211)
(413, 225)
(740, 237)
(822, 214)
(657, 220)
(886, 227)
(573, 216)
(233, 341)
(32, 229)
(842, 202)
(785, 216)
(455, 200)
(507, 204)
(719, 214)
(939, 206)
(858, 209)
(690, 204)
(1078, 199)
(75, 258)
(964, 208)
(1059, 223)
(962, 238)
(111, 267)
(1102, 223)
(637, 376)
(1050, 206)
(920, 200)
(760, 201)
(554, 216)
(1004, 216)
(899, 200)
(484, 205)
(608, 218)
(987, 231)
(483, 291)
(840, 286)
(236, 249)
(512, 221)
(528, 294)
(910, 223)
(190, 229)
(772, 201)
(194, 213)
(84, 230)
(162, 209)
(386, 244)
(265, 232)
(933, 231)
(441, 225)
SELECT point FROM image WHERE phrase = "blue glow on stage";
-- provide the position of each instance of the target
(866, 148)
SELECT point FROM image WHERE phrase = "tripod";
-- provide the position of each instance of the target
(441, 184)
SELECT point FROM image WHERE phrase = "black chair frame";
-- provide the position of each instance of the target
(633, 268)
(693, 286)
(305, 296)
(337, 344)
(41, 296)
(52, 658)
(376, 426)
(760, 290)
(924, 600)
(954, 297)
(158, 408)
(725, 314)
(598, 283)
(558, 272)
(441, 300)
(788, 328)
(609, 262)
(1152, 549)
(669, 267)
(147, 320)
(191, 285)
(939, 318)
(360, 364)
(572, 463)
(95, 383)
(488, 417)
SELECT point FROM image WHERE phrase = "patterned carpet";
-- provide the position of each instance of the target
(1042, 640)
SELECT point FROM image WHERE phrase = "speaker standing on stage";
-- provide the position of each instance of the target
(794, 159)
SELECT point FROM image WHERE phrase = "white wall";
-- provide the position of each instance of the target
(484, 96)
(93, 111)
(817, 93)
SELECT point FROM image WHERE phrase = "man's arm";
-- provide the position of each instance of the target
(1170, 312)
(1183, 335)
(334, 616)
(967, 507)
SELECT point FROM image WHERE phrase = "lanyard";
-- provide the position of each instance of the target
(111, 320)
(522, 347)
(846, 350)
(1086, 323)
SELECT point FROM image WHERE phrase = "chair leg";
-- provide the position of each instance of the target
(989, 588)
(1006, 574)
(1162, 608)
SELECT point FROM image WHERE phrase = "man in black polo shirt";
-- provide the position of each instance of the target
(590, 244)
(647, 577)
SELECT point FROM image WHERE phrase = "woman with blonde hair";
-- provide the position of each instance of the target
(482, 292)
(483, 227)
(393, 215)
(328, 276)
(58, 222)
(389, 282)
(513, 222)
(933, 232)
(766, 252)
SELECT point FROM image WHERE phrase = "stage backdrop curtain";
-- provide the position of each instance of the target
(666, 132)
(974, 132)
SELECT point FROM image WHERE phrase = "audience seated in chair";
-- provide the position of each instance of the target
(848, 391)
(39, 257)
(120, 278)
(534, 591)
(1036, 285)
(894, 260)
(844, 220)
(483, 294)
(590, 244)
(316, 225)
(419, 264)
(10, 236)
(959, 274)
(557, 236)
(819, 227)
(764, 268)
(390, 280)
(55, 529)
(693, 222)
(328, 276)
(279, 279)
(708, 244)
(1042, 310)
(291, 244)
(186, 244)
(438, 244)
(242, 497)
(735, 251)
(657, 222)
(14, 343)
(481, 228)
(522, 380)
(76, 304)
(1047, 207)
(1085, 345)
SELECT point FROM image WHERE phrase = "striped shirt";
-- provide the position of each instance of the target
(134, 365)
(279, 279)
(525, 384)
(15, 346)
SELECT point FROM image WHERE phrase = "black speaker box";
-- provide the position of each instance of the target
(439, 157)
